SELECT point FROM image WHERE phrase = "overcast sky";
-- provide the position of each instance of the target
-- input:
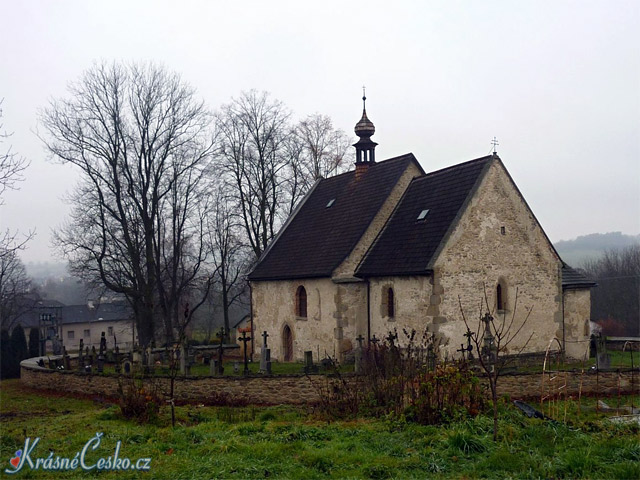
(558, 83)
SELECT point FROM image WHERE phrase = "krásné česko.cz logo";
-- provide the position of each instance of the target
(26, 457)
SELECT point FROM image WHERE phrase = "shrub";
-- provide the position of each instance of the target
(138, 401)
(19, 344)
(8, 365)
(34, 342)
(403, 382)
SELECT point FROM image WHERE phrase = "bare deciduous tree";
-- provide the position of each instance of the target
(253, 157)
(492, 340)
(315, 150)
(15, 287)
(12, 165)
(140, 140)
(230, 255)
(616, 299)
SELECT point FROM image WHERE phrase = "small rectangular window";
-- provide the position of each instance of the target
(110, 331)
(503, 230)
(87, 333)
(71, 334)
(423, 214)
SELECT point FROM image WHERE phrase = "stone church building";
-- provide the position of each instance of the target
(389, 246)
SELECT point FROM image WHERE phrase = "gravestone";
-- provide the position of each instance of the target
(127, 366)
(81, 357)
(358, 354)
(149, 360)
(66, 360)
(213, 367)
(183, 360)
(603, 359)
(190, 360)
(309, 367)
(267, 356)
(263, 352)
(103, 344)
(57, 345)
(116, 355)
(236, 367)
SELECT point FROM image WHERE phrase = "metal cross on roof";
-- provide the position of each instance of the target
(495, 143)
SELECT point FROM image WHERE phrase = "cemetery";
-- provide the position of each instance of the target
(202, 372)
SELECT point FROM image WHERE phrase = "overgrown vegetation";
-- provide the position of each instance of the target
(404, 380)
(288, 442)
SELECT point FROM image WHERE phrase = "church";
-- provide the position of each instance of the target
(388, 246)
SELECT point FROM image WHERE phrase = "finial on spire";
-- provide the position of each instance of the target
(365, 147)
(495, 143)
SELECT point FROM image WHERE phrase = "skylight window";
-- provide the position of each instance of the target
(423, 214)
(330, 202)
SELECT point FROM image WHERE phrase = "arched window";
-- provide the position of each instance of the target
(499, 301)
(301, 302)
(390, 303)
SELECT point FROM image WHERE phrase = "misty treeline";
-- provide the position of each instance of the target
(14, 283)
(177, 201)
(615, 302)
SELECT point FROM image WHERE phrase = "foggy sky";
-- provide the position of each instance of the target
(558, 83)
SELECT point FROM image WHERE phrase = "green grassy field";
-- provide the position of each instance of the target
(287, 442)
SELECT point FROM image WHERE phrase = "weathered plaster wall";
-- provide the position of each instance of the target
(336, 314)
(577, 312)
(478, 255)
(411, 303)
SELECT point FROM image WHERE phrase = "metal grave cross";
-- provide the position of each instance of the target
(244, 339)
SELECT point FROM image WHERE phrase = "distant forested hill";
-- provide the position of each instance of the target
(590, 247)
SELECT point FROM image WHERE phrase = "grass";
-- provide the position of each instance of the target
(618, 359)
(288, 442)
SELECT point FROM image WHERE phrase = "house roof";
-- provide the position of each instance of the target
(572, 279)
(319, 237)
(406, 244)
(71, 314)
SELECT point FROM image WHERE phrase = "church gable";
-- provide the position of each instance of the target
(427, 211)
(496, 251)
(495, 220)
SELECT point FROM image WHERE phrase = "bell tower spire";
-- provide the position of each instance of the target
(365, 147)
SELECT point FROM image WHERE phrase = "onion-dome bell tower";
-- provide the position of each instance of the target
(365, 147)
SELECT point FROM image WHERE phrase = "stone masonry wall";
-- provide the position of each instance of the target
(577, 312)
(498, 240)
(412, 295)
(301, 389)
(336, 314)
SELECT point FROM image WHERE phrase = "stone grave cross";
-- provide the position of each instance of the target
(265, 355)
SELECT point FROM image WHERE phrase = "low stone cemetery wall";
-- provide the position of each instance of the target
(305, 389)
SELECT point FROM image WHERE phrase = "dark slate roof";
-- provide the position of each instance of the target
(70, 314)
(572, 278)
(104, 312)
(318, 238)
(406, 245)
